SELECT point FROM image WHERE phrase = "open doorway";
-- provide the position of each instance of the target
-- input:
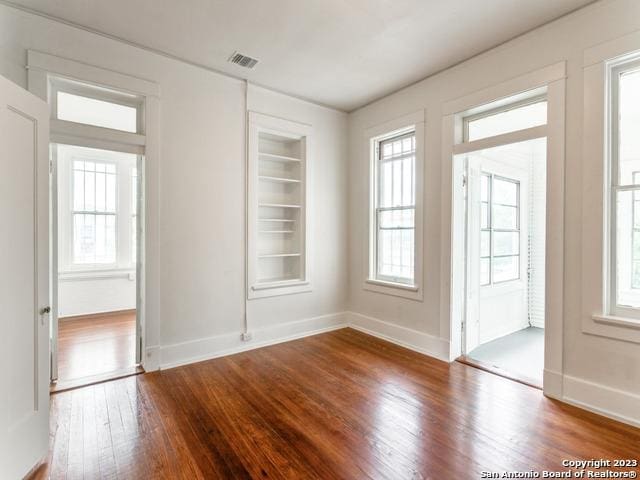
(96, 226)
(505, 223)
(97, 155)
(500, 214)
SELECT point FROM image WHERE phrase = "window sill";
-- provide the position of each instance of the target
(72, 275)
(412, 292)
(616, 321)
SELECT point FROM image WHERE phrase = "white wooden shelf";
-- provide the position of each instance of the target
(278, 158)
(278, 176)
(267, 178)
(278, 205)
(267, 283)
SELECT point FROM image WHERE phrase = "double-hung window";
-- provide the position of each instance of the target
(94, 213)
(624, 189)
(395, 208)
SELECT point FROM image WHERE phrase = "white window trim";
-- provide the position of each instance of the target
(597, 316)
(416, 122)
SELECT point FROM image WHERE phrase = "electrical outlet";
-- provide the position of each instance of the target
(245, 337)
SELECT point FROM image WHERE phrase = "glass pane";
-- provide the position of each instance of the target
(397, 184)
(484, 215)
(519, 118)
(627, 252)
(505, 192)
(506, 268)
(78, 190)
(402, 218)
(505, 217)
(79, 109)
(629, 127)
(484, 271)
(485, 244)
(484, 188)
(506, 243)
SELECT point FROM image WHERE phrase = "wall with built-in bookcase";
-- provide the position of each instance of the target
(278, 168)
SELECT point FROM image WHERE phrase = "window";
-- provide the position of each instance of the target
(94, 212)
(395, 205)
(99, 113)
(499, 229)
(624, 188)
(518, 116)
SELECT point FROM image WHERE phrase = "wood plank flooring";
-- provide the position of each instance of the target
(96, 345)
(336, 405)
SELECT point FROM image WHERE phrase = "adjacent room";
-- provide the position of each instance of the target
(320, 239)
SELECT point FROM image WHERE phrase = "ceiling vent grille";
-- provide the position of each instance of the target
(243, 60)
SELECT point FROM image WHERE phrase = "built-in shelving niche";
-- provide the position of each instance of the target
(278, 260)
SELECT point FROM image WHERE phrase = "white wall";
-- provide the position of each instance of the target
(591, 363)
(195, 196)
(83, 296)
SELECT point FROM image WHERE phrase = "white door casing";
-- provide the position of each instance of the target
(24, 284)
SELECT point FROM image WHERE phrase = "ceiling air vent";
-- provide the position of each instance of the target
(243, 60)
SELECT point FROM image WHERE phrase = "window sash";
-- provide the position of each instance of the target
(492, 230)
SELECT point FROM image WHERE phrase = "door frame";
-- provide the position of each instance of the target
(549, 80)
(42, 68)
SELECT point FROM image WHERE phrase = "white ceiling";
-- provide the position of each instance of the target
(340, 53)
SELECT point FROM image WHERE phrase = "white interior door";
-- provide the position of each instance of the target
(472, 317)
(24, 283)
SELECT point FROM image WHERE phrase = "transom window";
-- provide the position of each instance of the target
(624, 189)
(499, 229)
(498, 121)
(94, 212)
(395, 204)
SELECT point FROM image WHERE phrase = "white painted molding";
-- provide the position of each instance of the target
(90, 73)
(523, 83)
(552, 384)
(227, 344)
(610, 402)
(405, 337)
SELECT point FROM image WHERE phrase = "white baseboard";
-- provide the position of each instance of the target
(228, 344)
(610, 402)
(405, 337)
(552, 384)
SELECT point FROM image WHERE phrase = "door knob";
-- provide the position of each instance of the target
(45, 310)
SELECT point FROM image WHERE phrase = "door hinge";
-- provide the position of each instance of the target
(464, 179)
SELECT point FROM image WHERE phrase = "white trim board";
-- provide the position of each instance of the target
(609, 402)
(208, 348)
(405, 337)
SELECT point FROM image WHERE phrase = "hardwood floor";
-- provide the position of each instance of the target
(336, 405)
(96, 345)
